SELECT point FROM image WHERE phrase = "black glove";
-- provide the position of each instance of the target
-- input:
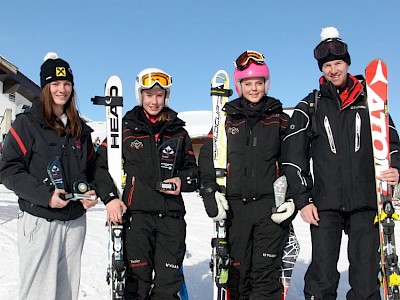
(215, 203)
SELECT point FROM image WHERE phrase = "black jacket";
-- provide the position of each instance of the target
(254, 150)
(30, 146)
(339, 143)
(142, 154)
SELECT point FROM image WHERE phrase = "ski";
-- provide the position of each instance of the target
(376, 74)
(113, 102)
(292, 246)
(220, 259)
(289, 257)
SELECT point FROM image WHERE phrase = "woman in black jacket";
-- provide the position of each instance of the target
(160, 164)
(255, 126)
(48, 152)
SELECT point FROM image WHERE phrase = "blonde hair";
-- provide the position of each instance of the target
(164, 116)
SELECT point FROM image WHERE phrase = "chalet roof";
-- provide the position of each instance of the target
(15, 81)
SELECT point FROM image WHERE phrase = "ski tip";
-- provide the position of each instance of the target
(114, 78)
(220, 77)
(376, 71)
(113, 81)
(374, 62)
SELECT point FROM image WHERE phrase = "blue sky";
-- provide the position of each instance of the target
(193, 39)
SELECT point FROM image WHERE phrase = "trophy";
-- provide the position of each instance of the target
(280, 188)
(167, 153)
(80, 186)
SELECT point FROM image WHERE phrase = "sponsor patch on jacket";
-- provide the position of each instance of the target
(269, 255)
(172, 266)
(138, 263)
(358, 107)
(136, 144)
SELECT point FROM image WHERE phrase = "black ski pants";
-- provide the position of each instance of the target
(154, 243)
(322, 277)
(256, 247)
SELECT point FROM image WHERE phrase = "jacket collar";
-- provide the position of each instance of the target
(347, 95)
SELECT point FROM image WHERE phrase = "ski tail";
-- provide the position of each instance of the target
(292, 248)
(116, 269)
(220, 259)
(290, 255)
(376, 75)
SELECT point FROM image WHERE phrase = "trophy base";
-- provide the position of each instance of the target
(166, 186)
(76, 197)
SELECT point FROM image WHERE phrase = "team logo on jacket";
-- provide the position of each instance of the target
(233, 130)
(167, 152)
(136, 144)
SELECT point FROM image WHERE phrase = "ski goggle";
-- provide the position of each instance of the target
(150, 79)
(243, 60)
(334, 46)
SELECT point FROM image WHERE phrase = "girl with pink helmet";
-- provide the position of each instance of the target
(250, 64)
(255, 127)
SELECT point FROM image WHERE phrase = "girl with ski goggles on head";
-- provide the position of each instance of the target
(160, 164)
(148, 80)
(256, 244)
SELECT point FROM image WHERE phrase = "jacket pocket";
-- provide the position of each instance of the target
(30, 226)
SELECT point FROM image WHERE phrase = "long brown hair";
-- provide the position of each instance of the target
(73, 126)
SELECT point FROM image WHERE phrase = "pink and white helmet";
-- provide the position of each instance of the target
(252, 70)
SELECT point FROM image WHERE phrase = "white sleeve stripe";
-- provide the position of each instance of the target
(292, 165)
(301, 129)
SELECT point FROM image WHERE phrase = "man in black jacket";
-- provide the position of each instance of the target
(341, 196)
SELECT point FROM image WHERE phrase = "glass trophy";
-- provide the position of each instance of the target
(56, 175)
(167, 152)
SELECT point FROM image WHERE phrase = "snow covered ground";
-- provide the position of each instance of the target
(94, 263)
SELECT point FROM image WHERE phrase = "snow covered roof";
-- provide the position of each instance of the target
(198, 124)
(99, 130)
